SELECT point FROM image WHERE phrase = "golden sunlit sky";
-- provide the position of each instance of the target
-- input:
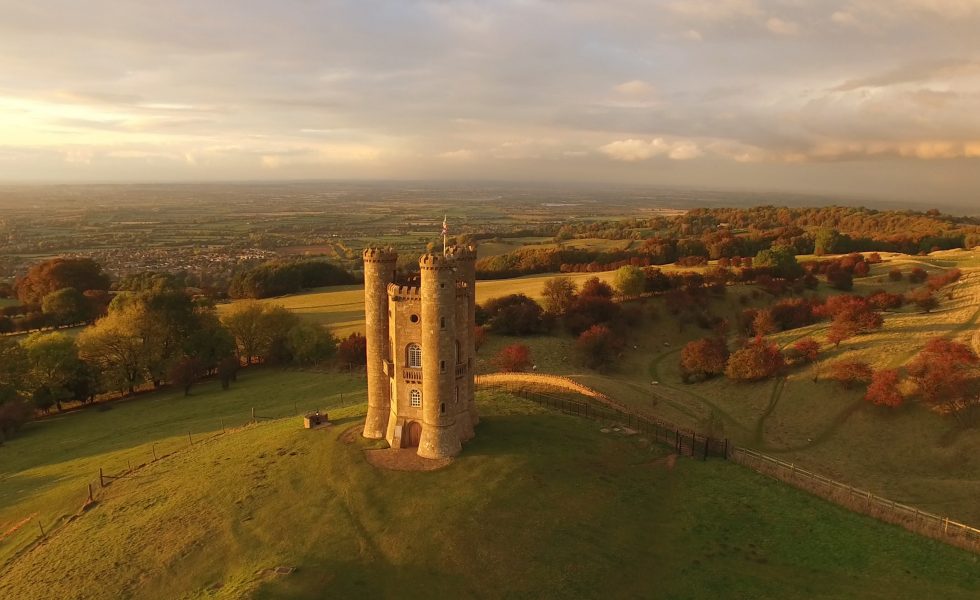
(860, 96)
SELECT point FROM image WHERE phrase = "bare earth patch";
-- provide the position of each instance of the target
(404, 459)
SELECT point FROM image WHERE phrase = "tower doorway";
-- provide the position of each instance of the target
(412, 435)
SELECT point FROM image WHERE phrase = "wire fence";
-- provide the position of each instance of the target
(691, 443)
(26, 533)
(684, 441)
(862, 501)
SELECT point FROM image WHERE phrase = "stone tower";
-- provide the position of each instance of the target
(379, 272)
(420, 361)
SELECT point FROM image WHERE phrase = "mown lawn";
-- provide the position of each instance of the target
(540, 504)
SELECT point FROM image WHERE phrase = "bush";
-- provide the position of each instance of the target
(758, 360)
(850, 373)
(598, 347)
(353, 350)
(514, 358)
(806, 349)
(515, 314)
(883, 389)
(706, 357)
(895, 275)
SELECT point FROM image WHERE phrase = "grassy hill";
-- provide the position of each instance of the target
(540, 504)
(911, 455)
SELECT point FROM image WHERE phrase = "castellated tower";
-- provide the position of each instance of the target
(379, 272)
(420, 361)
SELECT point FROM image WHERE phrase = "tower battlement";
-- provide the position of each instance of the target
(436, 261)
(399, 293)
(380, 255)
(467, 252)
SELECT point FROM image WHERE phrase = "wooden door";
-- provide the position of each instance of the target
(413, 433)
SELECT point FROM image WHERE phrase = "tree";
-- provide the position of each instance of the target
(706, 357)
(515, 314)
(310, 344)
(259, 330)
(353, 349)
(781, 260)
(630, 281)
(918, 275)
(228, 370)
(763, 323)
(479, 336)
(589, 310)
(66, 306)
(514, 358)
(14, 366)
(598, 347)
(559, 293)
(942, 371)
(895, 274)
(850, 373)
(595, 287)
(59, 273)
(116, 346)
(883, 389)
(244, 321)
(758, 360)
(807, 349)
(53, 362)
(923, 298)
(826, 241)
(185, 372)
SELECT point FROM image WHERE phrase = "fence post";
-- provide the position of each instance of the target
(41, 527)
(189, 438)
(154, 447)
(101, 478)
(90, 492)
(726, 448)
(253, 414)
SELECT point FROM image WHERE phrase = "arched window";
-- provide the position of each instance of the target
(415, 397)
(414, 356)
(459, 356)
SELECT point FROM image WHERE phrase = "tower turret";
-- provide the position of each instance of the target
(440, 438)
(465, 257)
(379, 271)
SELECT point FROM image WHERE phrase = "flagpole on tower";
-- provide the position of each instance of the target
(445, 234)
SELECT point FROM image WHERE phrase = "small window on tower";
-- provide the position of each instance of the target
(414, 356)
(414, 318)
(442, 408)
(415, 397)
(442, 322)
(442, 366)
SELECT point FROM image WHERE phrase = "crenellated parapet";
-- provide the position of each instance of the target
(402, 293)
(380, 255)
(467, 252)
(436, 262)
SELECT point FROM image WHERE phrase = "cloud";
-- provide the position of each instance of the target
(632, 150)
(781, 27)
(636, 88)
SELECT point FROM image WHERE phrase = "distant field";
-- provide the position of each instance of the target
(341, 308)
(8, 302)
(540, 504)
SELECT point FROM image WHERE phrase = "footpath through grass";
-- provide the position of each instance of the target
(540, 504)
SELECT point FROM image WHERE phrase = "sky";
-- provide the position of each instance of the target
(862, 97)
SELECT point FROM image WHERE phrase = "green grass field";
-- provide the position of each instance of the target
(910, 455)
(540, 504)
